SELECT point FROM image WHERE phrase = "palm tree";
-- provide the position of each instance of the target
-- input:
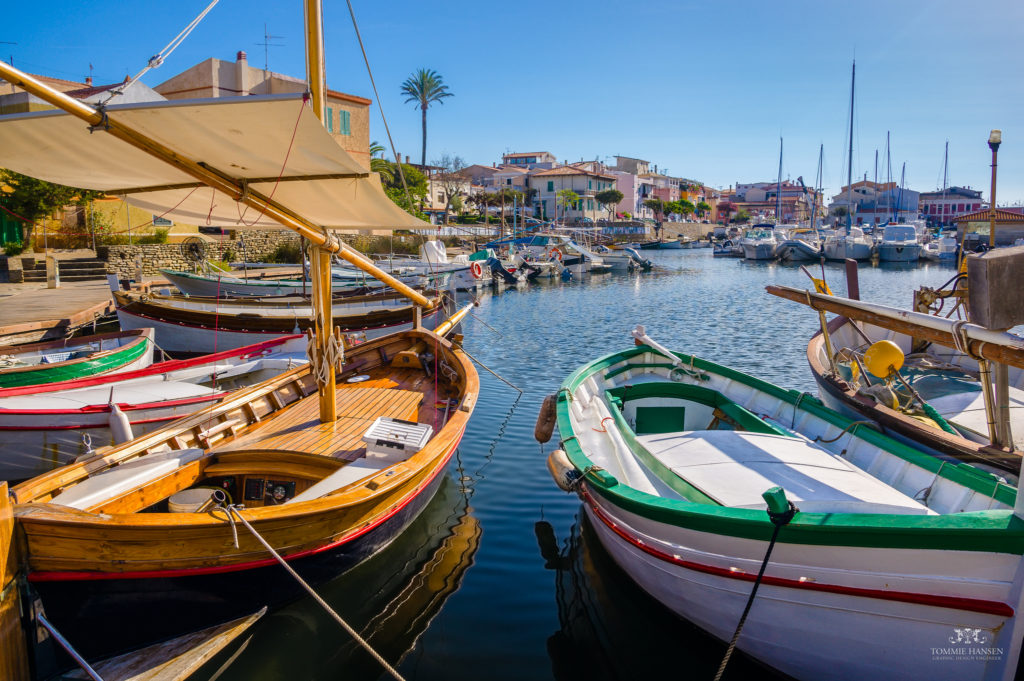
(425, 87)
(379, 164)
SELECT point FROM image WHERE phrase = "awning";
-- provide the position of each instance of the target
(274, 143)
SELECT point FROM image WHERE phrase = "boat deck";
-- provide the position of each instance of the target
(402, 394)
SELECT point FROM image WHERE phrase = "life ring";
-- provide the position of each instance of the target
(555, 252)
(477, 270)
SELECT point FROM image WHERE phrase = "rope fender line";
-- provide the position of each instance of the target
(233, 513)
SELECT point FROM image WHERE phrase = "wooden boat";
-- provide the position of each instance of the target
(946, 378)
(314, 491)
(73, 358)
(892, 558)
(205, 325)
(230, 285)
(46, 426)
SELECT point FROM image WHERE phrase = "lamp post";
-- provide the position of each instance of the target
(994, 140)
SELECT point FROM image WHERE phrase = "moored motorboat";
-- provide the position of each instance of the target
(46, 426)
(71, 358)
(899, 244)
(847, 244)
(229, 285)
(890, 551)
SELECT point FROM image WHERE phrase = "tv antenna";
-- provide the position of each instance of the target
(7, 42)
(268, 42)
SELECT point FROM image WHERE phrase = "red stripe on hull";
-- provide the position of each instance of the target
(156, 574)
(952, 602)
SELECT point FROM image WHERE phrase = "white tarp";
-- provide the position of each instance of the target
(246, 138)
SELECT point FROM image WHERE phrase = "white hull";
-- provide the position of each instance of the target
(897, 252)
(843, 249)
(759, 251)
(799, 250)
(817, 634)
(187, 339)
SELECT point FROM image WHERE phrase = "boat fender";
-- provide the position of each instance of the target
(545, 420)
(564, 473)
(120, 426)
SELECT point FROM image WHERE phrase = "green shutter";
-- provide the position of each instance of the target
(344, 122)
(329, 118)
(551, 185)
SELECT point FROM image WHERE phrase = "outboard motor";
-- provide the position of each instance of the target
(498, 270)
(643, 263)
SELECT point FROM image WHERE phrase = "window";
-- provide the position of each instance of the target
(344, 122)
(590, 204)
(329, 118)
(551, 185)
(508, 181)
(590, 184)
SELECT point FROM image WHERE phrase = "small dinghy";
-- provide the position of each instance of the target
(73, 358)
(891, 554)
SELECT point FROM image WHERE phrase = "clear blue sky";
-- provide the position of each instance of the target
(703, 89)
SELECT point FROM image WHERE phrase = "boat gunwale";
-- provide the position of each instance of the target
(130, 347)
(997, 531)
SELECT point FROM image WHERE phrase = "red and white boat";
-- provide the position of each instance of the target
(46, 426)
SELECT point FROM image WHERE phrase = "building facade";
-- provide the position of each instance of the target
(530, 160)
(346, 117)
(941, 208)
(585, 183)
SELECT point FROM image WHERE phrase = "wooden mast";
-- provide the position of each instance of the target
(320, 263)
(206, 174)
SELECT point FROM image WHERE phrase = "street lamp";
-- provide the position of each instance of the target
(994, 140)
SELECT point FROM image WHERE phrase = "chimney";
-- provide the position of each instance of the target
(242, 73)
(88, 81)
(407, 159)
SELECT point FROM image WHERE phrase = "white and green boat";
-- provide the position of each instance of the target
(897, 565)
(74, 358)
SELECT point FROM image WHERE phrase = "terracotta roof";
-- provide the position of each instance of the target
(568, 171)
(1001, 216)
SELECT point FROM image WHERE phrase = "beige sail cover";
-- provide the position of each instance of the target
(246, 138)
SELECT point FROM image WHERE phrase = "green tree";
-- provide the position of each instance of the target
(482, 200)
(609, 198)
(379, 164)
(566, 198)
(840, 211)
(742, 216)
(424, 88)
(417, 183)
(686, 208)
(35, 199)
(657, 205)
(702, 208)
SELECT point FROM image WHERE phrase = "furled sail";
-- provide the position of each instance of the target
(274, 143)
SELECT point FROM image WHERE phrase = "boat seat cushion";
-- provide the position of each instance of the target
(113, 482)
(735, 467)
(344, 476)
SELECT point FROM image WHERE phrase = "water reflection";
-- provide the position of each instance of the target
(390, 600)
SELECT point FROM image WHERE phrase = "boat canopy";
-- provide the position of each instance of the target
(274, 143)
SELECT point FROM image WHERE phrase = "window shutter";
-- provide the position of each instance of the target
(329, 118)
(344, 122)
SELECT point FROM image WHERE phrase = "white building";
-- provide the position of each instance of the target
(585, 183)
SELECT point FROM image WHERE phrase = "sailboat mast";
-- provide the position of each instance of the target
(899, 198)
(778, 188)
(849, 160)
(320, 263)
(818, 181)
(945, 171)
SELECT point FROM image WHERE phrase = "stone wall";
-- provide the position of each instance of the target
(258, 245)
(693, 230)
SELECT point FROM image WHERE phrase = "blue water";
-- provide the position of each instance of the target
(498, 579)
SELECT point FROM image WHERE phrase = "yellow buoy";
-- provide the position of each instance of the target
(883, 358)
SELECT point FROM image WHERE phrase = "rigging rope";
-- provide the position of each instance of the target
(156, 60)
(233, 513)
(380, 107)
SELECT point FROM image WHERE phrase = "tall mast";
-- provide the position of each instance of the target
(778, 188)
(888, 171)
(320, 263)
(899, 199)
(818, 179)
(945, 171)
(849, 160)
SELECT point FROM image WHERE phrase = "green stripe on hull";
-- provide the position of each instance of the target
(997, 531)
(67, 372)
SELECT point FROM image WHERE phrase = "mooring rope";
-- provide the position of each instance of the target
(233, 513)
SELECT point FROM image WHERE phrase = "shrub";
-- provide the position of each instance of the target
(229, 254)
(13, 247)
(159, 236)
(285, 253)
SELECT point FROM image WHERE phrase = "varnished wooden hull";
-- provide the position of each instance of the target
(183, 601)
(126, 554)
